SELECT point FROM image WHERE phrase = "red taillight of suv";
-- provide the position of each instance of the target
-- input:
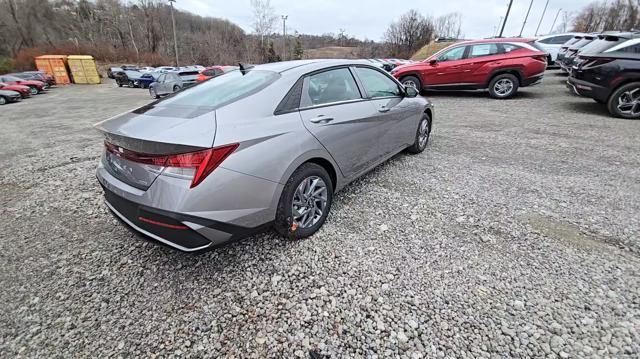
(542, 58)
(203, 162)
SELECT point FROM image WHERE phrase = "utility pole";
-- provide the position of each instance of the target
(495, 33)
(525, 18)
(175, 38)
(284, 36)
(554, 20)
(542, 17)
(506, 17)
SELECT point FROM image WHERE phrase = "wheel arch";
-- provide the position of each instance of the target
(320, 158)
(512, 71)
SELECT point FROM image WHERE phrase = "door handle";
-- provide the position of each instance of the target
(383, 108)
(321, 119)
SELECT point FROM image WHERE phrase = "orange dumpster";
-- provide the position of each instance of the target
(54, 65)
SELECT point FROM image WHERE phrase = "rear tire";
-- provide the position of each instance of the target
(292, 225)
(624, 102)
(153, 93)
(33, 90)
(131, 84)
(503, 86)
(176, 88)
(422, 135)
(412, 81)
(3, 100)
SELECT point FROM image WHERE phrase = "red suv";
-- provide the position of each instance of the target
(500, 65)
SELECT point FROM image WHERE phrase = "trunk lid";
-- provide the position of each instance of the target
(153, 130)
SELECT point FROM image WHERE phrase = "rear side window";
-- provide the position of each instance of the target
(506, 48)
(377, 84)
(223, 90)
(209, 72)
(628, 46)
(331, 86)
(483, 50)
(557, 40)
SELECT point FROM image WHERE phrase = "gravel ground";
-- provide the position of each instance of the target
(514, 235)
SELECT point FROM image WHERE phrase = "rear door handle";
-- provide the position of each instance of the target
(383, 108)
(321, 119)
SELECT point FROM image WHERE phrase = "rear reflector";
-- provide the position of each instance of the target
(204, 162)
(162, 224)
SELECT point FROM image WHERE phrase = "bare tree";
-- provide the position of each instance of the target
(264, 18)
(612, 15)
(405, 36)
(449, 26)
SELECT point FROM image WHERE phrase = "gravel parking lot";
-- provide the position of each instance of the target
(516, 234)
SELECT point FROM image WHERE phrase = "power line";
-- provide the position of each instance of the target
(525, 18)
(542, 17)
(506, 17)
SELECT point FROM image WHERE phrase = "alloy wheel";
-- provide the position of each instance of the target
(410, 83)
(309, 202)
(33, 90)
(2, 100)
(503, 87)
(423, 135)
(629, 102)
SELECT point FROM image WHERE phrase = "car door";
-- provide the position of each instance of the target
(481, 60)
(446, 69)
(333, 109)
(159, 84)
(398, 118)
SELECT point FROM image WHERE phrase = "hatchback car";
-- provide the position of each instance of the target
(255, 148)
(24, 91)
(499, 65)
(36, 75)
(611, 77)
(167, 83)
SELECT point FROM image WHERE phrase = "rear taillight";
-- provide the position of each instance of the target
(589, 63)
(542, 58)
(203, 162)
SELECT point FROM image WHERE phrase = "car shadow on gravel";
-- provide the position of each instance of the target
(479, 94)
(587, 108)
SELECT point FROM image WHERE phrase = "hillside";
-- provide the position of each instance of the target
(332, 52)
(429, 50)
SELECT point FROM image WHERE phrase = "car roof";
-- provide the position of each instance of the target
(308, 65)
(497, 39)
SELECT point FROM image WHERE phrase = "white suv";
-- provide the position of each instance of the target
(552, 43)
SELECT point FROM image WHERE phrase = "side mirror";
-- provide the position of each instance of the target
(433, 62)
(410, 91)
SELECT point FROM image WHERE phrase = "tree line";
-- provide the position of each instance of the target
(614, 15)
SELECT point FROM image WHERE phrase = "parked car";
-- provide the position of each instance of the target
(166, 68)
(147, 69)
(147, 79)
(36, 87)
(551, 44)
(127, 78)
(9, 96)
(500, 65)
(188, 77)
(565, 47)
(37, 76)
(111, 72)
(24, 91)
(253, 149)
(611, 77)
(213, 71)
(129, 67)
(572, 52)
(167, 83)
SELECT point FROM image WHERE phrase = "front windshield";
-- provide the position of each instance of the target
(224, 89)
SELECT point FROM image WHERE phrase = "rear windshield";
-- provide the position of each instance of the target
(572, 41)
(602, 45)
(580, 44)
(223, 90)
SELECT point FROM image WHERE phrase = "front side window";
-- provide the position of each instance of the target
(483, 50)
(453, 54)
(161, 78)
(377, 84)
(331, 86)
(509, 47)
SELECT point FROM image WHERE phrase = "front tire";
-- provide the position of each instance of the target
(305, 202)
(504, 86)
(131, 84)
(625, 101)
(3, 100)
(176, 88)
(153, 93)
(33, 90)
(412, 81)
(422, 135)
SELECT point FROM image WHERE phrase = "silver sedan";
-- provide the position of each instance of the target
(261, 147)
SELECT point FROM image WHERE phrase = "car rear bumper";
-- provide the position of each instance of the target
(533, 80)
(588, 89)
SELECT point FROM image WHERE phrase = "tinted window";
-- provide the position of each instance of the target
(209, 72)
(161, 78)
(557, 40)
(607, 44)
(331, 86)
(223, 90)
(634, 49)
(509, 47)
(453, 54)
(377, 84)
(483, 50)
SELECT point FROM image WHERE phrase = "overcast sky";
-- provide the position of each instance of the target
(370, 18)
